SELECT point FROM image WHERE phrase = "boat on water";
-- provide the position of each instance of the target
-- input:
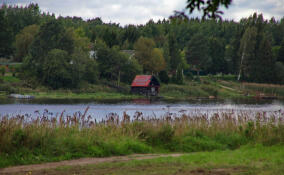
(20, 96)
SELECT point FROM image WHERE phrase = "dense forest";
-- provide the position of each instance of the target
(55, 51)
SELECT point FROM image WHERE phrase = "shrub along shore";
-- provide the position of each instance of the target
(26, 140)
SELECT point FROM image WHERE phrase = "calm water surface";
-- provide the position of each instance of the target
(151, 108)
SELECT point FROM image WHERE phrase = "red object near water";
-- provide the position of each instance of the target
(142, 80)
(145, 84)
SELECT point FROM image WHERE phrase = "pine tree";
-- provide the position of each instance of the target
(280, 56)
(197, 53)
(265, 65)
(174, 53)
(5, 36)
(247, 53)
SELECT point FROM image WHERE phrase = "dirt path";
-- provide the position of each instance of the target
(229, 88)
(83, 161)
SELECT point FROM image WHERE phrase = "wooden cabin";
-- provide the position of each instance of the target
(145, 84)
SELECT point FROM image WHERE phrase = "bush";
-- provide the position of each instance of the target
(193, 144)
(232, 141)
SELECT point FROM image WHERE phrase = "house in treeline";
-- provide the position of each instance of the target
(145, 84)
(129, 53)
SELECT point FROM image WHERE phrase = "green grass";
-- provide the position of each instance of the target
(72, 95)
(204, 89)
(219, 86)
(269, 89)
(250, 159)
(10, 79)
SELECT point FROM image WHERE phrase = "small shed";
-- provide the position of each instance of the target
(145, 84)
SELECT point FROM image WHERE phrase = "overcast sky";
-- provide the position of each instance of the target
(141, 11)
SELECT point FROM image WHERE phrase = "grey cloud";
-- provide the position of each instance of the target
(141, 11)
(268, 8)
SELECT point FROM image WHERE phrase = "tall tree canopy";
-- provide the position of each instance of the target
(5, 36)
(207, 45)
(197, 53)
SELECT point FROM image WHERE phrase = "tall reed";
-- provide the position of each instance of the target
(27, 139)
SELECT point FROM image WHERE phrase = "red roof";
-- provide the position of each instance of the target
(141, 80)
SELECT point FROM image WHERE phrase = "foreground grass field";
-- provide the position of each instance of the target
(256, 159)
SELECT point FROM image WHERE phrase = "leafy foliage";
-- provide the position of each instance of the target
(55, 69)
(24, 40)
(209, 7)
(150, 57)
(114, 65)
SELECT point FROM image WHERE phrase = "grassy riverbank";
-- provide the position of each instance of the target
(221, 87)
(250, 159)
(26, 140)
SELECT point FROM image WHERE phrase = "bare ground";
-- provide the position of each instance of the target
(80, 162)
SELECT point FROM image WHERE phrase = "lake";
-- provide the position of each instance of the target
(151, 108)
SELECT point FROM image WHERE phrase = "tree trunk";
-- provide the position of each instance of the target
(243, 55)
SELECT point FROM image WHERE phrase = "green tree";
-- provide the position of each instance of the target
(217, 54)
(232, 55)
(23, 41)
(265, 65)
(5, 36)
(197, 53)
(110, 36)
(150, 58)
(91, 72)
(247, 53)
(56, 73)
(114, 65)
(280, 56)
(279, 68)
(130, 69)
(257, 60)
(143, 52)
(166, 55)
(78, 62)
(174, 53)
(157, 61)
(131, 35)
(51, 35)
